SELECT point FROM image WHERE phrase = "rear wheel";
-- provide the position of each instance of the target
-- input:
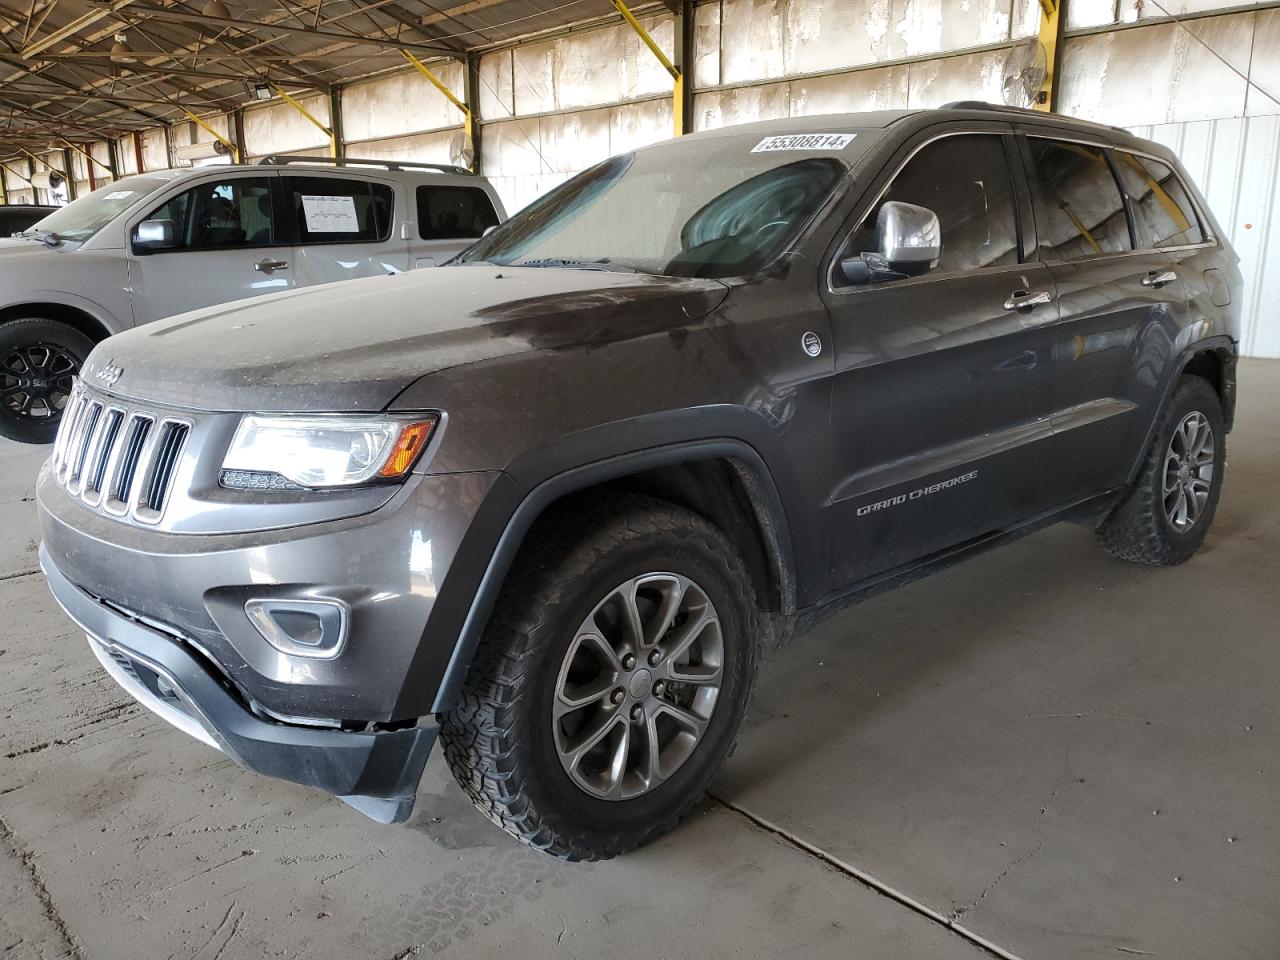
(1165, 516)
(39, 360)
(611, 680)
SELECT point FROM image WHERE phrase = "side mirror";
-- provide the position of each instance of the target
(909, 239)
(154, 235)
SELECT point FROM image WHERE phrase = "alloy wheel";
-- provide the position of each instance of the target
(36, 380)
(1188, 471)
(638, 686)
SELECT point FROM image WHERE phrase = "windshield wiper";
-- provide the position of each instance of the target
(602, 264)
(47, 237)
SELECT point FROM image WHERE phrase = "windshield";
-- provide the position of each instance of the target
(713, 208)
(81, 219)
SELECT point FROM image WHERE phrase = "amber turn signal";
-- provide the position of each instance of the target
(413, 437)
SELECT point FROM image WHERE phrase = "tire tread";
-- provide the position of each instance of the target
(481, 737)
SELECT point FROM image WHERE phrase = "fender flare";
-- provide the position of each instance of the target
(1227, 350)
(518, 511)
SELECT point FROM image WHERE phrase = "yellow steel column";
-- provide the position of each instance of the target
(235, 152)
(677, 103)
(328, 131)
(1050, 14)
(468, 120)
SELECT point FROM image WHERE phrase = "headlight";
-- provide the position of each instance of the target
(325, 451)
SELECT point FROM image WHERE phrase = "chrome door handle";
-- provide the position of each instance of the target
(1158, 278)
(271, 266)
(1028, 299)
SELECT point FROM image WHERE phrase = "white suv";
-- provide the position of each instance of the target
(158, 244)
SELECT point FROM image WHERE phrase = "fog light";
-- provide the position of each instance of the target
(301, 628)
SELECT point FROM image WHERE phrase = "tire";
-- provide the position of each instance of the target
(1146, 527)
(504, 744)
(38, 360)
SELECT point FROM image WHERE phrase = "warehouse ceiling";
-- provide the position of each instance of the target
(64, 72)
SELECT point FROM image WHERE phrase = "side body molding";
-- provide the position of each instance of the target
(468, 595)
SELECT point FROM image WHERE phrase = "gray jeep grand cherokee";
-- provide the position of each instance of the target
(548, 504)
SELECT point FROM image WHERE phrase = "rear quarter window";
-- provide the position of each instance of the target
(1162, 208)
(446, 213)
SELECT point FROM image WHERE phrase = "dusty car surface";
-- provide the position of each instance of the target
(548, 504)
(157, 244)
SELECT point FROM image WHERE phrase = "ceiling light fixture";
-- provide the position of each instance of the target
(215, 8)
(120, 52)
(262, 90)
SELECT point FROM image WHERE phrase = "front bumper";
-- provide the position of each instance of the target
(377, 772)
(387, 566)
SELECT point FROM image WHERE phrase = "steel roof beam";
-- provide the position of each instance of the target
(181, 16)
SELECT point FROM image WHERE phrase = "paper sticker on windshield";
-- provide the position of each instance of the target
(805, 141)
(330, 214)
(120, 195)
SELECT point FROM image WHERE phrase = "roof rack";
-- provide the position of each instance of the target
(986, 105)
(281, 160)
(1025, 111)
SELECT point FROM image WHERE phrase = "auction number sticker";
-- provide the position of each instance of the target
(805, 141)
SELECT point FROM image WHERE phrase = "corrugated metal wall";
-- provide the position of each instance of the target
(1236, 164)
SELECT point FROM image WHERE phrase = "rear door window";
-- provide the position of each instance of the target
(1163, 213)
(338, 210)
(1084, 214)
(447, 213)
(221, 214)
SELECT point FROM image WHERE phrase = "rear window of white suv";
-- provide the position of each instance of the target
(447, 213)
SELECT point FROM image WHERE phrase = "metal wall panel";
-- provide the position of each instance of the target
(763, 39)
(1236, 164)
(155, 153)
(976, 76)
(751, 40)
(401, 103)
(595, 67)
(882, 89)
(125, 156)
(721, 108)
(423, 148)
(1096, 13)
(525, 158)
(1264, 66)
(706, 45)
(279, 128)
(497, 97)
(1160, 73)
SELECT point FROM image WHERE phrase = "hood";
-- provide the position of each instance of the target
(354, 346)
(17, 254)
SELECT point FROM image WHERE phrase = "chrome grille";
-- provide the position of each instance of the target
(118, 456)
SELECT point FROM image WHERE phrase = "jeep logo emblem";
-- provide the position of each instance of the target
(110, 373)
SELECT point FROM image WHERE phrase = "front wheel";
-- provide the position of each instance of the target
(611, 679)
(39, 360)
(1165, 516)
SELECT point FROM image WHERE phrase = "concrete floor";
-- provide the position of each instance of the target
(1044, 750)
